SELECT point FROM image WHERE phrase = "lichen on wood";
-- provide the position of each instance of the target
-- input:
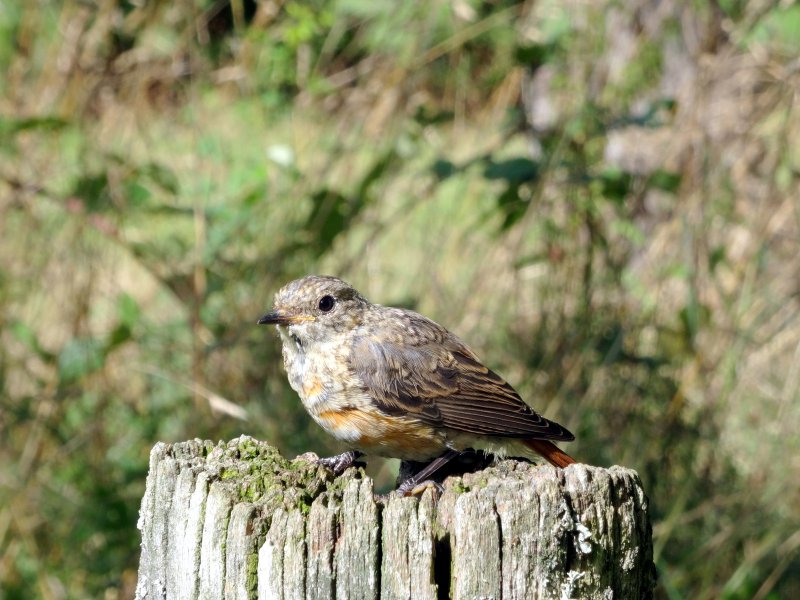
(237, 520)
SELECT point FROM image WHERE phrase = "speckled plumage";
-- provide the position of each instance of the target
(391, 382)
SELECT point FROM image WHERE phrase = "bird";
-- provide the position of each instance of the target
(390, 382)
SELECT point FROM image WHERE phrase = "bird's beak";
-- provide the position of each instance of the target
(277, 317)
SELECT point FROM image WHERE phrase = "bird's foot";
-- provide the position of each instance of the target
(412, 487)
(415, 477)
(341, 462)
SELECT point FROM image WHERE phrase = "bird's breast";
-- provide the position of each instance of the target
(319, 375)
(337, 400)
(376, 433)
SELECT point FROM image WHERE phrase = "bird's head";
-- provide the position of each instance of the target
(315, 308)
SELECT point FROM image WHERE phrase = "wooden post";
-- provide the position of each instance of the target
(236, 520)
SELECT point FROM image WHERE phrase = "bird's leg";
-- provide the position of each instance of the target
(341, 462)
(452, 462)
(418, 482)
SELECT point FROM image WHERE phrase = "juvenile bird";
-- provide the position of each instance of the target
(391, 382)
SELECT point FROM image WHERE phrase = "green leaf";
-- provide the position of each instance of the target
(25, 334)
(716, 257)
(511, 205)
(615, 184)
(444, 169)
(163, 177)
(780, 28)
(10, 127)
(137, 194)
(515, 170)
(92, 189)
(79, 358)
(665, 180)
(329, 217)
(120, 335)
(381, 167)
(333, 212)
(427, 116)
(533, 55)
(128, 310)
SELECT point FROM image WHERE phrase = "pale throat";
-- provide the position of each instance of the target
(291, 339)
(305, 375)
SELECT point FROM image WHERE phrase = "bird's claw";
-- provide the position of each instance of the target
(341, 462)
(412, 487)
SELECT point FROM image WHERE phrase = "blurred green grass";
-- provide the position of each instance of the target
(601, 199)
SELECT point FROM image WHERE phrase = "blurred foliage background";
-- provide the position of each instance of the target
(601, 197)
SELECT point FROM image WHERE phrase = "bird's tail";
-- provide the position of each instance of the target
(550, 452)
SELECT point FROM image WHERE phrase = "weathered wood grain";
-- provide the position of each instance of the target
(236, 520)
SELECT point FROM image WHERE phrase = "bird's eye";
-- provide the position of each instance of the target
(326, 303)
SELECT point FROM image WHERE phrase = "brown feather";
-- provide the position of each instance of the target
(413, 366)
(550, 452)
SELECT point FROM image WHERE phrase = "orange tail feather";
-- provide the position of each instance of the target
(550, 452)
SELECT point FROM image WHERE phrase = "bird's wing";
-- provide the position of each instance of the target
(417, 368)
